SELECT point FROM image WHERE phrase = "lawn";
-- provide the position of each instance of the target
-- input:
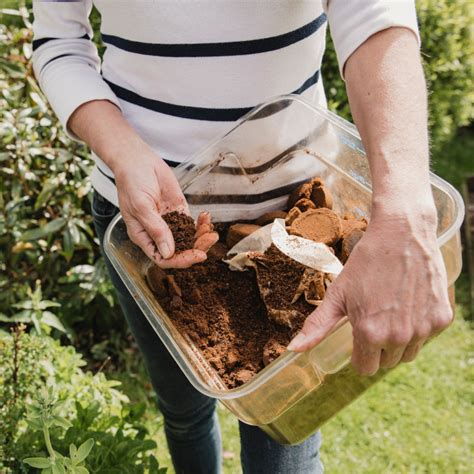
(419, 418)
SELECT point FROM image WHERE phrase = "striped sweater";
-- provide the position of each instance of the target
(183, 71)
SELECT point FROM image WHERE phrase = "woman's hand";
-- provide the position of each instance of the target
(146, 186)
(393, 289)
(147, 189)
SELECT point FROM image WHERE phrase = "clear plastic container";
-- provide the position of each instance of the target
(278, 145)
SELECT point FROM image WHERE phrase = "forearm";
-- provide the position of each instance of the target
(387, 94)
(103, 127)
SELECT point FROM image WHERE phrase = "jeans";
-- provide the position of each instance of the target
(190, 421)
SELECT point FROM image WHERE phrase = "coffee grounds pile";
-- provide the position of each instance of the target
(222, 312)
(183, 229)
(278, 277)
(242, 321)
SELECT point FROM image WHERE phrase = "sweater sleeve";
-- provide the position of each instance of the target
(65, 60)
(353, 22)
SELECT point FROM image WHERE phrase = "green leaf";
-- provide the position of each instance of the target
(58, 468)
(39, 463)
(68, 244)
(21, 317)
(48, 189)
(42, 232)
(36, 323)
(52, 320)
(48, 304)
(84, 450)
(81, 470)
(60, 421)
(72, 450)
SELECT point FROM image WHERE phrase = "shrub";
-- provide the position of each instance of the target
(78, 406)
(447, 49)
(46, 233)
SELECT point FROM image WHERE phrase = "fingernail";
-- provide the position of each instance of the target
(165, 250)
(297, 342)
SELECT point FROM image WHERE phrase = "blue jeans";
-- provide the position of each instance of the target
(191, 426)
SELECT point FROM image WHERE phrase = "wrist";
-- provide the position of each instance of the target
(124, 154)
(415, 215)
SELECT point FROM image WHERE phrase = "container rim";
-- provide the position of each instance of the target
(288, 357)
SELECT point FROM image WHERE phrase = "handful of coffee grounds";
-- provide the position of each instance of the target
(183, 229)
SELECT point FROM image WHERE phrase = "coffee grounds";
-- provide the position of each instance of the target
(305, 204)
(227, 321)
(320, 225)
(350, 240)
(242, 321)
(183, 229)
(272, 350)
(321, 196)
(278, 278)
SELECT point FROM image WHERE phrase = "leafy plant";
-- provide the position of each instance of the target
(42, 415)
(35, 310)
(46, 230)
(79, 406)
(19, 359)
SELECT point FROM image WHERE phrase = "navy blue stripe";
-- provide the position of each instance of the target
(195, 199)
(39, 42)
(54, 59)
(232, 48)
(194, 113)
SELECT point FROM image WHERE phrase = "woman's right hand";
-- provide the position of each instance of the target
(147, 189)
(146, 186)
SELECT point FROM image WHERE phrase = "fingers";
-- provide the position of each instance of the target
(365, 357)
(184, 259)
(140, 237)
(159, 232)
(145, 215)
(206, 241)
(391, 358)
(411, 351)
(318, 324)
(203, 225)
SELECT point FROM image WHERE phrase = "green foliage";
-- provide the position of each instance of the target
(46, 230)
(448, 50)
(77, 407)
(43, 414)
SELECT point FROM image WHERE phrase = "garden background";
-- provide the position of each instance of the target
(61, 328)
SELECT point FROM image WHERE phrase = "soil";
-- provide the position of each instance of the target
(222, 312)
(183, 229)
(242, 321)
(278, 278)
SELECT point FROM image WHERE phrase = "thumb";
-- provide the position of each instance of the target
(319, 323)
